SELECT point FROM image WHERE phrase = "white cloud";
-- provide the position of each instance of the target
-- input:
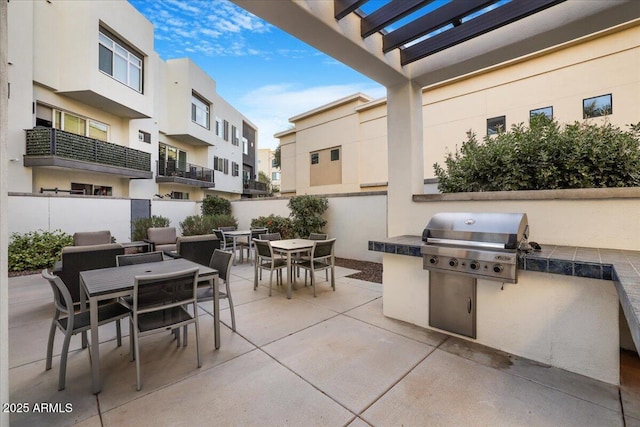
(270, 107)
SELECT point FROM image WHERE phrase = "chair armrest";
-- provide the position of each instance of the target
(172, 254)
(57, 267)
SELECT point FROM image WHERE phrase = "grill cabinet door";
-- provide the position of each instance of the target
(452, 303)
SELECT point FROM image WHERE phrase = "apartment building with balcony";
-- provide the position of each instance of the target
(341, 147)
(94, 110)
(267, 165)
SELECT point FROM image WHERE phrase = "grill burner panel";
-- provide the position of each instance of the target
(480, 245)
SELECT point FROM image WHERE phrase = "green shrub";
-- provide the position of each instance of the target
(306, 214)
(140, 226)
(544, 156)
(36, 250)
(197, 225)
(216, 205)
(275, 224)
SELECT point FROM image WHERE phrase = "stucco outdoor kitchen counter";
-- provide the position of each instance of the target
(621, 266)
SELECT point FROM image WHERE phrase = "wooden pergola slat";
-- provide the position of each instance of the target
(389, 13)
(489, 21)
(447, 14)
(342, 8)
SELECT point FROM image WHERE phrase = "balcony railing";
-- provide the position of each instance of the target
(188, 174)
(48, 142)
(257, 186)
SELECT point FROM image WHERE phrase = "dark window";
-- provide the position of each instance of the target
(226, 130)
(179, 195)
(597, 106)
(545, 111)
(496, 125)
(314, 158)
(106, 60)
(226, 166)
(144, 137)
(335, 154)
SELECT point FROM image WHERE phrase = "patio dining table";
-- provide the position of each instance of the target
(113, 282)
(290, 247)
(235, 235)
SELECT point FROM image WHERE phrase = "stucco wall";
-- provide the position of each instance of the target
(352, 220)
(566, 322)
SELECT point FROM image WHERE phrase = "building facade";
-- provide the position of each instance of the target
(341, 147)
(93, 110)
(267, 165)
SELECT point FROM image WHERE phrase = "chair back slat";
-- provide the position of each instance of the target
(174, 285)
(263, 247)
(257, 232)
(271, 236)
(221, 261)
(61, 296)
(143, 258)
(323, 248)
(318, 236)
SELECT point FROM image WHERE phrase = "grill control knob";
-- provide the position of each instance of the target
(453, 262)
(497, 268)
(433, 260)
(475, 265)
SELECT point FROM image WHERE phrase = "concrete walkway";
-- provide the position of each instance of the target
(333, 360)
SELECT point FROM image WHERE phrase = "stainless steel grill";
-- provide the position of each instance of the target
(479, 245)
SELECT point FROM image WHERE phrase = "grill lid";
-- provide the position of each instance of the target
(488, 229)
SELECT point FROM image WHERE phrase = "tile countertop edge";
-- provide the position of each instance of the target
(606, 264)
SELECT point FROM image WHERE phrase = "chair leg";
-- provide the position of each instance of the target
(198, 341)
(185, 335)
(63, 360)
(255, 275)
(131, 341)
(118, 333)
(177, 331)
(52, 334)
(333, 278)
(313, 281)
(233, 314)
(271, 281)
(137, 356)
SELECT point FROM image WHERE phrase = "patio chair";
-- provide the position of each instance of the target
(72, 323)
(146, 320)
(141, 258)
(86, 238)
(198, 248)
(305, 256)
(162, 238)
(221, 261)
(265, 260)
(321, 258)
(82, 258)
(255, 234)
(224, 240)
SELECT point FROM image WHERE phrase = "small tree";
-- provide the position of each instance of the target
(197, 225)
(216, 205)
(306, 214)
(36, 250)
(276, 157)
(275, 224)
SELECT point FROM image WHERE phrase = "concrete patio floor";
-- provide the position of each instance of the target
(333, 360)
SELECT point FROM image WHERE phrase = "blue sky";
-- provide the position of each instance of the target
(262, 71)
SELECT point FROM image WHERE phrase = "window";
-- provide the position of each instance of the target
(496, 125)
(314, 158)
(225, 130)
(226, 167)
(275, 176)
(545, 111)
(79, 125)
(597, 106)
(335, 154)
(245, 146)
(179, 195)
(90, 189)
(274, 163)
(170, 160)
(119, 62)
(235, 169)
(199, 111)
(234, 135)
(218, 126)
(218, 164)
(144, 137)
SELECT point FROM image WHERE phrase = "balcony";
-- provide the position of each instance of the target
(191, 175)
(253, 187)
(48, 147)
